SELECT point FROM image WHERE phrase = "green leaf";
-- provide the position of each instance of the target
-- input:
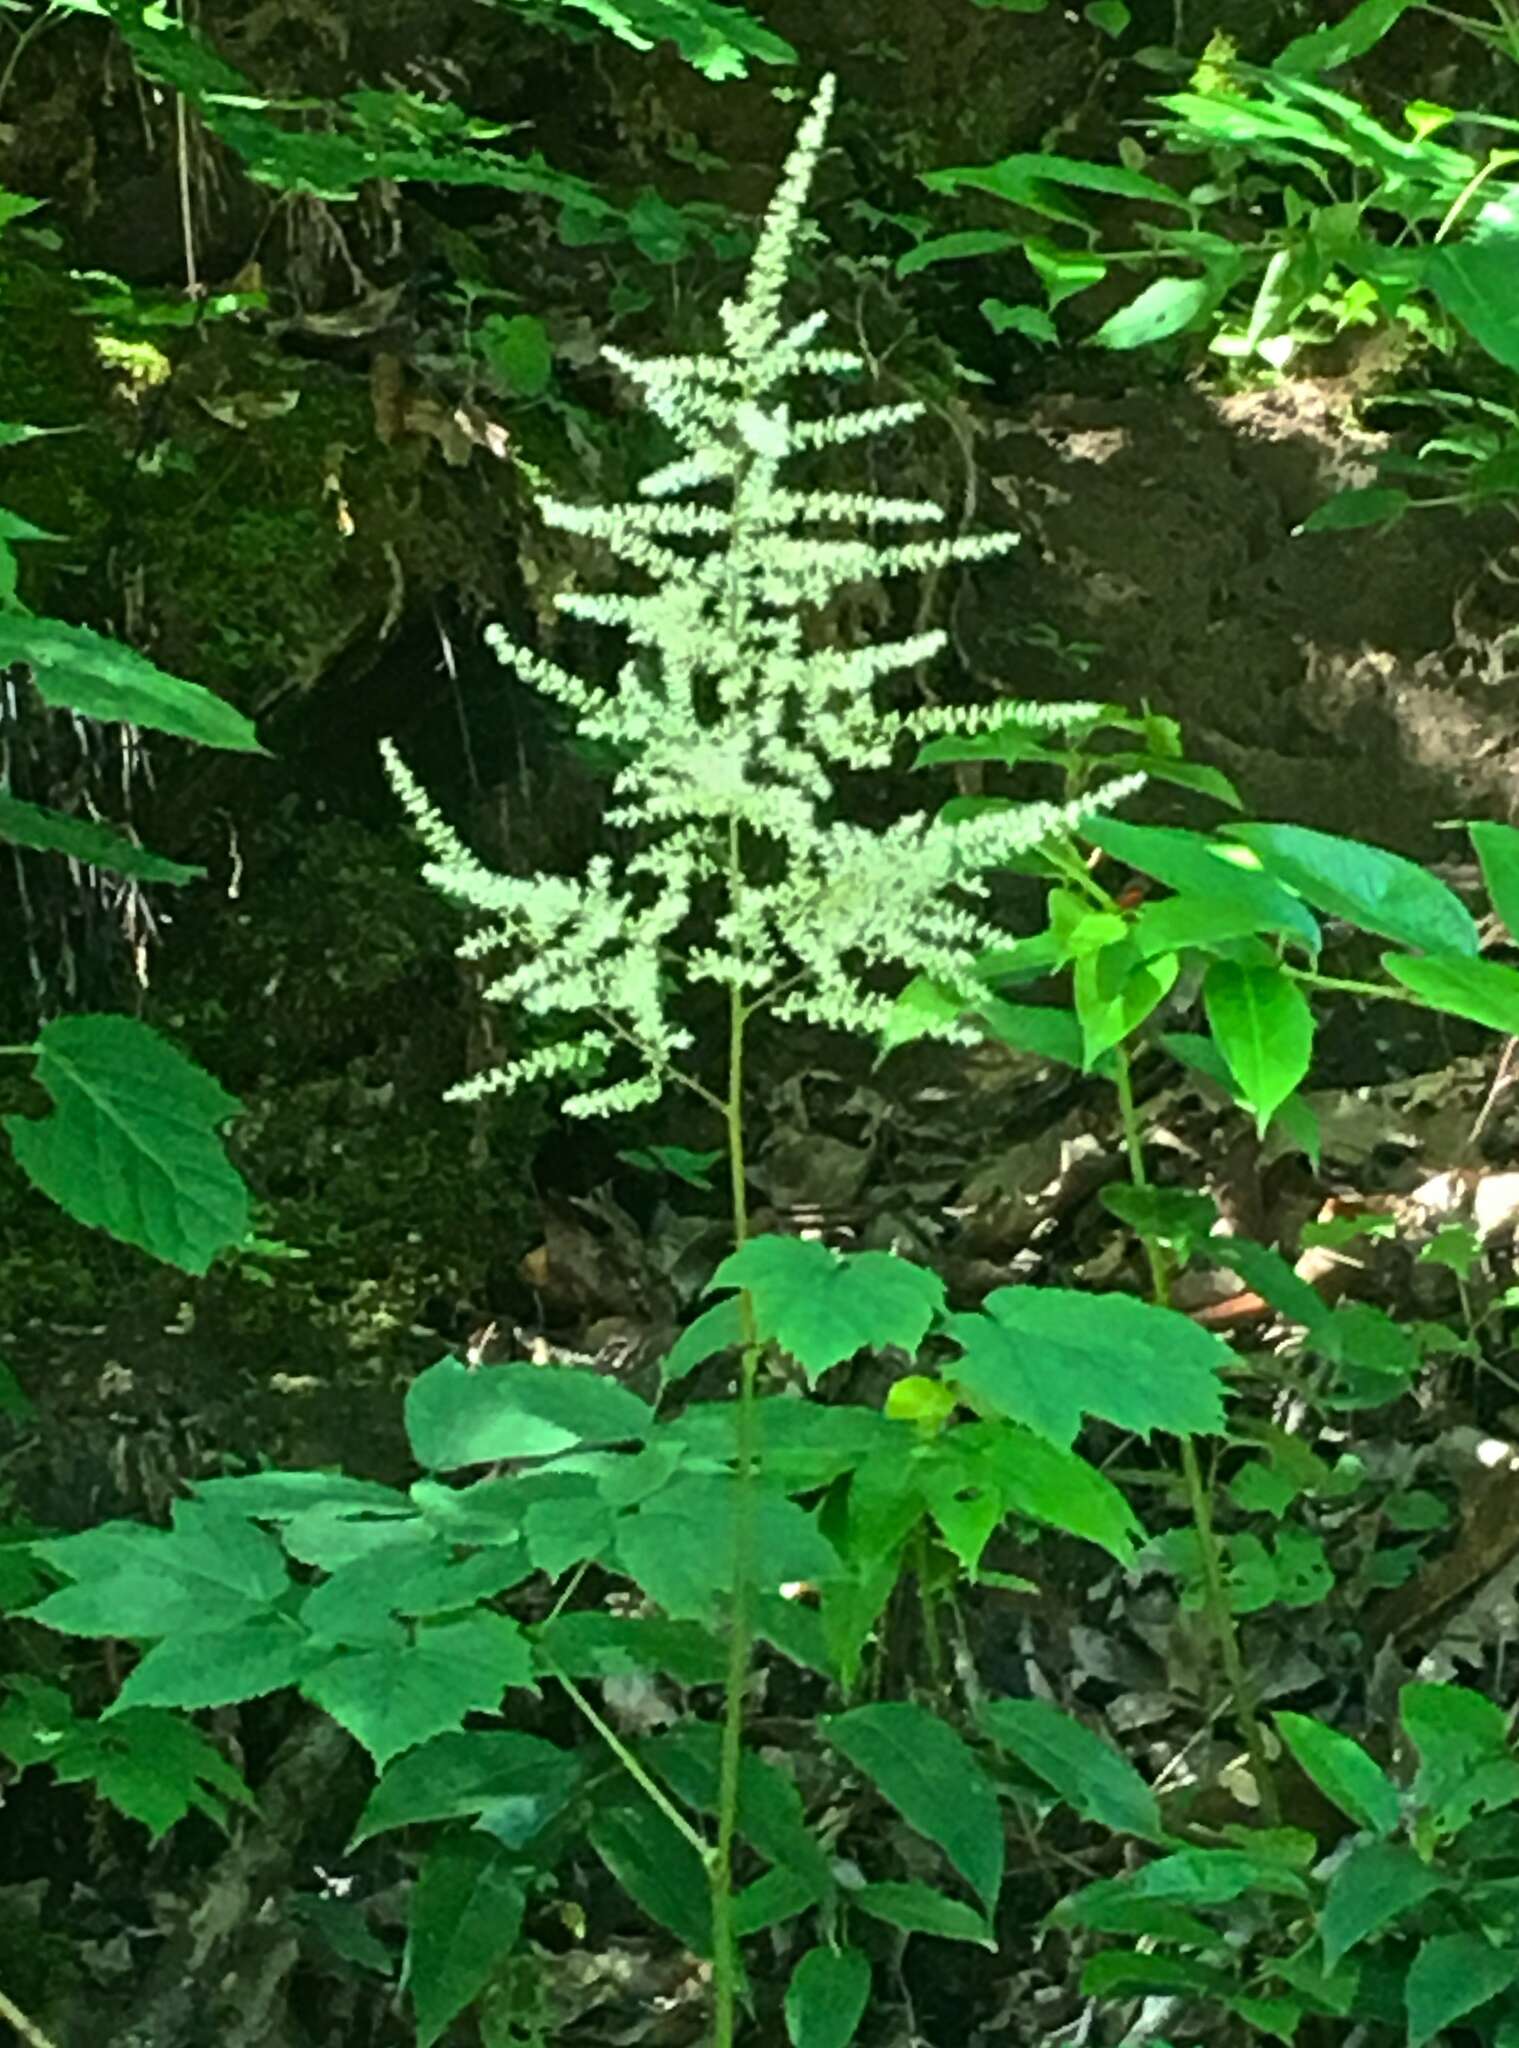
(1474, 280)
(466, 1914)
(211, 1571)
(1038, 183)
(680, 1548)
(1195, 864)
(1063, 272)
(1089, 1774)
(917, 1910)
(1451, 1976)
(1367, 886)
(775, 1896)
(1111, 16)
(1483, 990)
(954, 248)
(1376, 1883)
(826, 1998)
(1460, 1736)
(1263, 1024)
(929, 1775)
(658, 1869)
(151, 1766)
(1370, 505)
(719, 1328)
(393, 1697)
(591, 1644)
(1168, 306)
(457, 1415)
(216, 1668)
(77, 670)
(1323, 48)
(131, 1147)
(1115, 991)
(1046, 1356)
(517, 349)
(770, 1814)
(47, 831)
(474, 1774)
(823, 1306)
(1343, 1772)
(1497, 848)
(1124, 1973)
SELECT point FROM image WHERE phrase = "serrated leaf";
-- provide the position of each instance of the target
(826, 1998)
(217, 1668)
(1263, 1024)
(1089, 1774)
(1452, 1975)
(211, 1571)
(915, 1909)
(1050, 1484)
(77, 670)
(823, 1306)
(131, 1146)
(1369, 887)
(391, 1698)
(457, 1415)
(466, 1914)
(471, 1773)
(929, 1775)
(1374, 1885)
(1047, 1356)
(1343, 1772)
(151, 1766)
(48, 831)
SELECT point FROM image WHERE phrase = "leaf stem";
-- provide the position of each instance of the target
(32, 2035)
(1215, 1587)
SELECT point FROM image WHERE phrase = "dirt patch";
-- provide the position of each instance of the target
(1362, 682)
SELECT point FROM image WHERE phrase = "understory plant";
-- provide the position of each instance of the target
(568, 1534)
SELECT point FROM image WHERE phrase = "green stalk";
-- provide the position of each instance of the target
(725, 1962)
(1215, 1589)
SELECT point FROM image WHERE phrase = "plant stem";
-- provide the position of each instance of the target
(13, 2016)
(725, 1963)
(1215, 1588)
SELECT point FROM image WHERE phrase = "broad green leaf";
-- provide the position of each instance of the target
(1114, 992)
(152, 1766)
(466, 1914)
(1483, 990)
(1192, 863)
(1177, 922)
(1168, 306)
(459, 1416)
(592, 1644)
(770, 1814)
(823, 1306)
(826, 1998)
(215, 1669)
(1369, 505)
(469, 1774)
(1474, 280)
(777, 1895)
(517, 348)
(566, 1532)
(1040, 183)
(921, 1765)
(1452, 1975)
(681, 1548)
(719, 1328)
(918, 1910)
(392, 1698)
(1172, 1216)
(954, 248)
(1131, 1973)
(48, 831)
(1263, 1025)
(1323, 48)
(1498, 853)
(1047, 1356)
(211, 1571)
(1375, 1884)
(1050, 1484)
(1343, 1772)
(77, 670)
(1463, 1744)
(131, 1146)
(1367, 886)
(359, 1602)
(282, 1496)
(1192, 1877)
(658, 1869)
(1088, 1773)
